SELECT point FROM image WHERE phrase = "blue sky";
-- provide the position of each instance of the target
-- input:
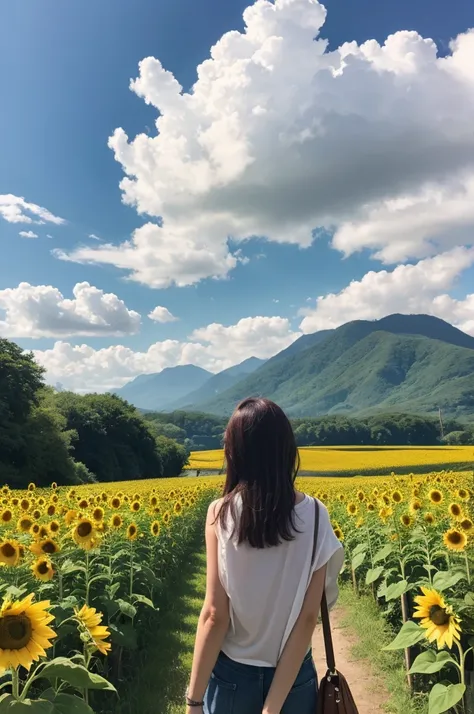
(65, 89)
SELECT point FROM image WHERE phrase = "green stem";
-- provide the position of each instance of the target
(131, 569)
(87, 577)
(15, 684)
(468, 571)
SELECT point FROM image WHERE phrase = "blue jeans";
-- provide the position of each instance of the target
(236, 688)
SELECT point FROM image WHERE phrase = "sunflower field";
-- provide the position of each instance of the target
(408, 540)
(360, 460)
(80, 569)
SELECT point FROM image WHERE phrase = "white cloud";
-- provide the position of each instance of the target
(280, 136)
(28, 234)
(161, 314)
(94, 237)
(42, 311)
(48, 235)
(15, 209)
(83, 368)
(418, 288)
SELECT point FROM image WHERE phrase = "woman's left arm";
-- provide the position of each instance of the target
(213, 620)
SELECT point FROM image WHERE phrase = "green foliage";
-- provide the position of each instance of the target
(69, 438)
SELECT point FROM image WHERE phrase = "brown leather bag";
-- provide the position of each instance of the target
(334, 695)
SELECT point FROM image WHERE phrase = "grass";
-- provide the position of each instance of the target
(363, 617)
(161, 677)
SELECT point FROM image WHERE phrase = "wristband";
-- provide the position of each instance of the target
(193, 703)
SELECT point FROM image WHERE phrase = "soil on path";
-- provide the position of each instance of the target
(369, 692)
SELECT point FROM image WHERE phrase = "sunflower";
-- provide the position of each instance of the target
(370, 506)
(429, 518)
(415, 505)
(43, 532)
(24, 632)
(24, 524)
(352, 509)
(54, 527)
(34, 530)
(51, 510)
(361, 496)
(135, 506)
(84, 533)
(406, 520)
(70, 517)
(463, 494)
(437, 618)
(6, 516)
(83, 503)
(41, 501)
(98, 513)
(36, 514)
(153, 501)
(467, 525)
(115, 502)
(385, 513)
(116, 521)
(31, 487)
(166, 517)
(24, 504)
(455, 510)
(45, 547)
(178, 508)
(89, 620)
(397, 497)
(338, 533)
(455, 539)
(155, 528)
(435, 496)
(10, 553)
(132, 532)
(42, 569)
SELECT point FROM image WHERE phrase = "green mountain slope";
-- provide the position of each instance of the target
(401, 363)
(156, 391)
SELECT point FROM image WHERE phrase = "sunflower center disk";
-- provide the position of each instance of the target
(15, 632)
(439, 616)
(8, 550)
(84, 529)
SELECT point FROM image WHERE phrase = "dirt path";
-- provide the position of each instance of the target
(369, 692)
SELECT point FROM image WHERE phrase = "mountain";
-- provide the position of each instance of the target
(413, 363)
(156, 391)
(216, 384)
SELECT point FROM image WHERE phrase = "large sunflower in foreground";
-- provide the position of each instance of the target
(89, 619)
(24, 632)
(455, 539)
(437, 618)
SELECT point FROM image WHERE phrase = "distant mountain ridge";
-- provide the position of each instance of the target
(413, 363)
(156, 391)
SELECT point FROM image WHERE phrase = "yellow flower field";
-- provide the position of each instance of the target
(361, 460)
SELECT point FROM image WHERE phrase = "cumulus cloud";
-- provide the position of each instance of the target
(279, 136)
(417, 288)
(83, 368)
(28, 234)
(94, 237)
(161, 314)
(15, 209)
(42, 311)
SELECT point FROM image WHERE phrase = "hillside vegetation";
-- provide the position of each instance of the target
(401, 363)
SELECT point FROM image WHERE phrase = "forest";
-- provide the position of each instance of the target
(63, 437)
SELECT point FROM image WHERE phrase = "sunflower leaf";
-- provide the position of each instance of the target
(67, 703)
(126, 607)
(144, 600)
(409, 635)
(75, 674)
(373, 574)
(443, 698)
(361, 548)
(430, 662)
(8, 705)
(445, 579)
(358, 559)
(383, 553)
(396, 590)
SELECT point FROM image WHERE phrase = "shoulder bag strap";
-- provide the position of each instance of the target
(330, 659)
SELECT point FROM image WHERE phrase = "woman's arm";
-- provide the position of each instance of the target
(296, 646)
(213, 620)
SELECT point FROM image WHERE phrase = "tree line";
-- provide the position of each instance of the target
(63, 437)
(198, 431)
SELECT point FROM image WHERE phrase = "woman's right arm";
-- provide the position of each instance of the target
(296, 646)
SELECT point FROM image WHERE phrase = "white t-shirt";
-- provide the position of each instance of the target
(266, 586)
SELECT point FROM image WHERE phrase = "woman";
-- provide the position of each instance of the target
(252, 653)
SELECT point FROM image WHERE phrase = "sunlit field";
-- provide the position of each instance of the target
(353, 460)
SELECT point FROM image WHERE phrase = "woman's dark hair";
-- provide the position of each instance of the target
(262, 462)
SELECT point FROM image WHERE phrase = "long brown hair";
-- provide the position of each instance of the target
(262, 462)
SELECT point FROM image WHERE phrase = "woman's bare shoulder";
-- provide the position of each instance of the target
(213, 510)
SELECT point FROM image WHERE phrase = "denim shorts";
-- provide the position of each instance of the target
(236, 688)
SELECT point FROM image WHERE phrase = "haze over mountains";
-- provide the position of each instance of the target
(410, 363)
